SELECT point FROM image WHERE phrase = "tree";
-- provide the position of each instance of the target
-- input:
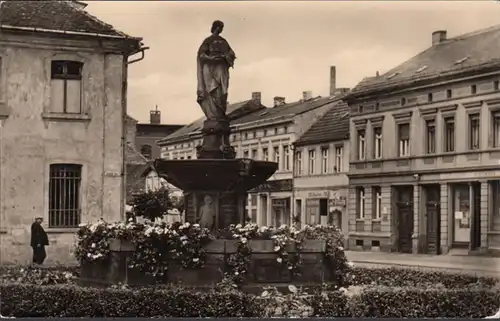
(152, 204)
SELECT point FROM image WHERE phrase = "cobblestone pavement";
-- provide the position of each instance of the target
(455, 263)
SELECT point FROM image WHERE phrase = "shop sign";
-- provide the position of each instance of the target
(318, 194)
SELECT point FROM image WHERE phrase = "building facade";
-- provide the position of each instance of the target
(425, 151)
(320, 171)
(62, 84)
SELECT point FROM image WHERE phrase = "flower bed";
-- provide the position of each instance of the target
(137, 253)
(72, 301)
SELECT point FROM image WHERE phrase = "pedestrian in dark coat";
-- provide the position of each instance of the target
(39, 240)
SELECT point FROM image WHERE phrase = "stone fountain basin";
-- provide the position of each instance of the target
(215, 174)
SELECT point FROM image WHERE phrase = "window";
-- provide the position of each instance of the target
(361, 144)
(495, 211)
(246, 154)
(286, 157)
(360, 109)
(298, 163)
(430, 97)
(324, 160)
(338, 159)
(64, 195)
(496, 128)
(245, 135)
(360, 213)
(298, 208)
(377, 106)
(377, 202)
(449, 94)
(276, 154)
(403, 101)
(377, 142)
(285, 129)
(474, 131)
(449, 134)
(265, 154)
(254, 154)
(473, 89)
(147, 151)
(404, 140)
(265, 132)
(312, 161)
(65, 86)
(430, 136)
(496, 85)
(253, 207)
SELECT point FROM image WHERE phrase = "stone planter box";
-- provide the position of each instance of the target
(264, 268)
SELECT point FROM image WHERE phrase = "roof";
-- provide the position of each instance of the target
(132, 156)
(332, 127)
(465, 53)
(136, 167)
(54, 16)
(234, 111)
(157, 129)
(287, 110)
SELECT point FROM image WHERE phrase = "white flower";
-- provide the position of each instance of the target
(82, 224)
(238, 226)
(277, 248)
(89, 255)
(263, 229)
(236, 273)
(264, 294)
(350, 264)
(279, 260)
(195, 259)
(243, 240)
(93, 245)
(184, 237)
(292, 288)
(196, 225)
(341, 248)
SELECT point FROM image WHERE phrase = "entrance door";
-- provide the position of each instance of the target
(476, 217)
(405, 219)
(433, 219)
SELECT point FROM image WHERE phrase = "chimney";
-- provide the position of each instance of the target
(279, 101)
(333, 80)
(377, 74)
(256, 97)
(306, 95)
(438, 37)
(155, 116)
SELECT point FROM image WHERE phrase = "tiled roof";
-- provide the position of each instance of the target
(132, 156)
(65, 15)
(333, 126)
(136, 166)
(292, 109)
(233, 112)
(468, 52)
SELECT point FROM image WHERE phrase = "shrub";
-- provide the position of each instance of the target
(152, 204)
(430, 303)
(39, 276)
(22, 300)
(401, 277)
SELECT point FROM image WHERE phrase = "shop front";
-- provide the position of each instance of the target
(269, 204)
(325, 207)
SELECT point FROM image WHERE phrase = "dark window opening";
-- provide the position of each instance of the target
(375, 243)
(430, 97)
(359, 242)
(449, 94)
(64, 195)
(473, 89)
(147, 151)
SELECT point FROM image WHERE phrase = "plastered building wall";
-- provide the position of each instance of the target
(31, 139)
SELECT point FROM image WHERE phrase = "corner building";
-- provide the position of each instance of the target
(425, 161)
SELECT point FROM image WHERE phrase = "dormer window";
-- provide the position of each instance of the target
(403, 101)
(66, 82)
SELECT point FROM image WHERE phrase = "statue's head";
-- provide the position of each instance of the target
(208, 200)
(217, 27)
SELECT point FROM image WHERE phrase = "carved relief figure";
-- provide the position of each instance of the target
(214, 58)
(207, 213)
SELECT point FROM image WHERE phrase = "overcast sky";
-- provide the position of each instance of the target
(282, 48)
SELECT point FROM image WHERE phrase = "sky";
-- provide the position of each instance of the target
(283, 48)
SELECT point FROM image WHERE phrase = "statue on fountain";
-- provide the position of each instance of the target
(214, 59)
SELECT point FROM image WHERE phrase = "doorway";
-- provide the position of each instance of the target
(404, 218)
(466, 215)
(432, 219)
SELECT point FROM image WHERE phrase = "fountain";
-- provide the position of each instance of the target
(215, 185)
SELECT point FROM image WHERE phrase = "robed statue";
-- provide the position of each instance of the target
(207, 213)
(215, 56)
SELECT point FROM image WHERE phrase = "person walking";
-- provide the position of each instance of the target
(39, 240)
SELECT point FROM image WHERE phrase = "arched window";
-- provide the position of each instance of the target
(64, 195)
(146, 151)
(66, 86)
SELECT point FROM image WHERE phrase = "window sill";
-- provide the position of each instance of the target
(3, 230)
(61, 230)
(377, 220)
(65, 116)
